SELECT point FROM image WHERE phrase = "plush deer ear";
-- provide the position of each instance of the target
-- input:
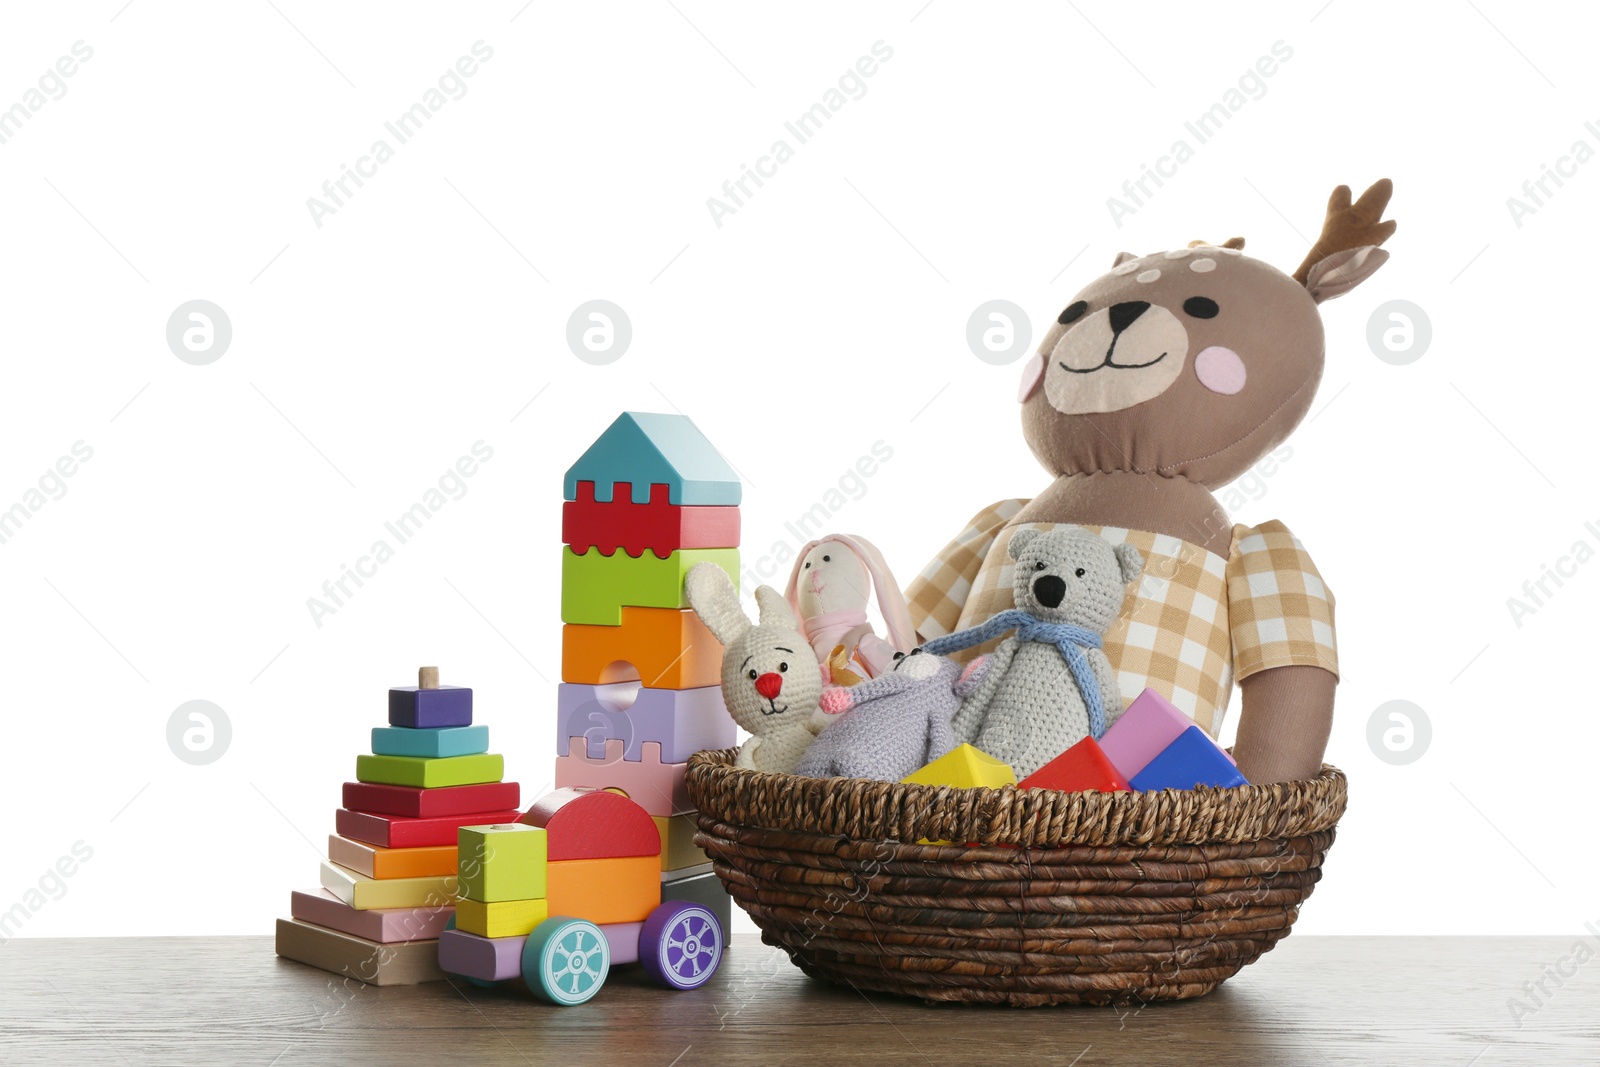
(1346, 252)
(1343, 271)
(1122, 257)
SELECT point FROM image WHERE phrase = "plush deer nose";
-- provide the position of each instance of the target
(770, 685)
(1122, 315)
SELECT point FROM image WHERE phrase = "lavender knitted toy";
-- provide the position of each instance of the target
(892, 724)
(1048, 686)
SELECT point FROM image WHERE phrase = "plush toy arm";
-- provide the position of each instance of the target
(747, 754)
(1106, 678)
(941, 735)
(1285, 723)
(989, 677)
(876, 654)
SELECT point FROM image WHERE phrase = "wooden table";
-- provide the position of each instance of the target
(1312, 1000)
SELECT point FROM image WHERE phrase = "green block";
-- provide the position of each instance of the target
(595, 588)
(501, 862)
(429, 773)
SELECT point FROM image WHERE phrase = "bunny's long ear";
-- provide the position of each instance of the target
(775, 610)
(712, 596)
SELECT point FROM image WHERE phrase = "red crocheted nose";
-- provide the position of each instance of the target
(770, 685)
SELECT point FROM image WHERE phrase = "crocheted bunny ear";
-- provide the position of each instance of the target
(891, 601)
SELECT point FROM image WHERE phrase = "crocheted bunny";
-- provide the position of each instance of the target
(770, 679)
(895, 723)
(1050, 685)
(832, 582)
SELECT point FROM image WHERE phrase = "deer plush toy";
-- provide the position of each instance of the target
(1159, 382)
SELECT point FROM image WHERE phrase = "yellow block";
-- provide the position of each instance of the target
(678, 849)
(364, 894)
(964, 767)
(502, 918)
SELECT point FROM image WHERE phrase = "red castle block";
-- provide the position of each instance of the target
(659, 526)
(1082, 767)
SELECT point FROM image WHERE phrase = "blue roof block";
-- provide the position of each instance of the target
(643, 448)
(1192, 760)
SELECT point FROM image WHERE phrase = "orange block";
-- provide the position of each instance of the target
(663, 647)
(622, 890)
(375, 862)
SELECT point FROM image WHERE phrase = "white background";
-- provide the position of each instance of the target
(827, 313)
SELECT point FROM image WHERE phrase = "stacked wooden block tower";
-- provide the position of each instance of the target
(389, 883)
(640, 674)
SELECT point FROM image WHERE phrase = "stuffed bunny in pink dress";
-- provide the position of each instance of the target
(833, 580)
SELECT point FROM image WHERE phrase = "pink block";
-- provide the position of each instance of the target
(488, 959)
(624, 941)
(1149, 725)
(659, 788)
(387, 925)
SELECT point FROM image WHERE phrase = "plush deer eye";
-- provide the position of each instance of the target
(1072, 313)
(1200, 307)
(1079, 572)
(752, 675)
(1039, 566)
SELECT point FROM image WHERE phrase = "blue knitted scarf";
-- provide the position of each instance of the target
(1069, 640)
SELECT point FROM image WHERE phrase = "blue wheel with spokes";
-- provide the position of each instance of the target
(565, 961)
(680, 945)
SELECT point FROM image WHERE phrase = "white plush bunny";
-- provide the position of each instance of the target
(770, 678)
(830, 587)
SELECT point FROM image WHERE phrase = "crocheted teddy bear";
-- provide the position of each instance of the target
(1049, 685)
(892, 724)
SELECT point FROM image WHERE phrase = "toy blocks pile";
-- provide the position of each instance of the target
(577, 852)
(640, 674)
(389, 883)
(1152, 746)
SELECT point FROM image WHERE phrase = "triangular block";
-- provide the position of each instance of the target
(964, 767)
(1192, 760)
(1147, 727)
(644, 450)
(1080, 768)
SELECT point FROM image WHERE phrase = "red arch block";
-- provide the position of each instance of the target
(593, 824)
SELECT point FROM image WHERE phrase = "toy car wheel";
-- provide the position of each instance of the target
(680, 945)
(565, 961)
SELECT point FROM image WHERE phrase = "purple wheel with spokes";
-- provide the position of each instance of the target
(680, 945)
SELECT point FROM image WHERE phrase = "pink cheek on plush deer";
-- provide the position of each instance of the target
(1220, 370)
(1032, 374)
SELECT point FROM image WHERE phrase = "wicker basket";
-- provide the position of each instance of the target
(1067, 898)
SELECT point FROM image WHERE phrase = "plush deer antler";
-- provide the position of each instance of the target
(1350, 226)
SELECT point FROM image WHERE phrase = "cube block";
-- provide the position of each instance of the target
(374, 861)
(430, 742)
(659, 788)
(363, 893)
(663, 647)
(504, 861)
(1080, 768)
(660, 526)
(596, 587)
(706, 890)
(414, 802)
(1192, 760)
(394, 831)
(682, 721)
(678, 849)
(425, 709)
(1147, 726)
(487, 959)
(593, 824)
(500, 918)
(964, 767)
(427, 773)
(383, 925)
(394, 963)
(605, 891)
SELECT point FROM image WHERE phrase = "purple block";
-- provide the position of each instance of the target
(623, 938)
(683, 721)
(488, 959)
(1192, 760)
(430, 709)
(1147, 727)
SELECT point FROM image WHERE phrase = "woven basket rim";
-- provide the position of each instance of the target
(863, 809)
